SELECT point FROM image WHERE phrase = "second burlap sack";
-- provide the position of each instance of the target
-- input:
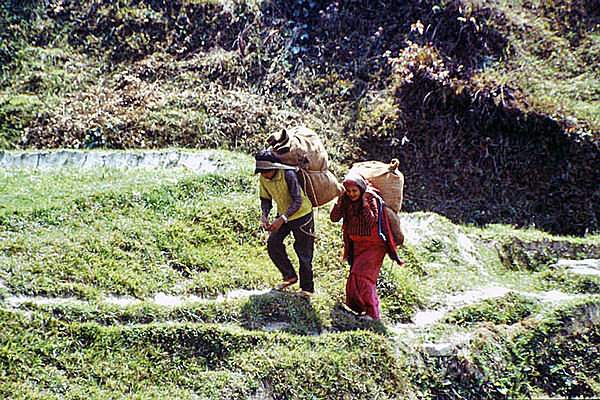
(389, 181)
(386, 178)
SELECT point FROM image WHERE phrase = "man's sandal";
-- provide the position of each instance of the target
(286, 283)
(305, 294)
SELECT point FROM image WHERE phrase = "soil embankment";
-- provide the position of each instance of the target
(489, 108)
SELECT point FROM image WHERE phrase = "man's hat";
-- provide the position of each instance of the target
(266, 161)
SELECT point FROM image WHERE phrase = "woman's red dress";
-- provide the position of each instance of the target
(367, 239)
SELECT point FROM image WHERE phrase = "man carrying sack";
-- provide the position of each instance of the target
(279, 182)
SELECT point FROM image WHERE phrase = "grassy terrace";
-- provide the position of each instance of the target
(156, 284)
(87, 256)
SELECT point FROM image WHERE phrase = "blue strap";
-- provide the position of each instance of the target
(380, 219)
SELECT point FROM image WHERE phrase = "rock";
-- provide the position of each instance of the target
(199, 162)
(428, 317)
(151, 160)
(439, 349)
(20, 160)
(94, 159)
(276, 326)
(122, 160)
(590, 266)
(342, 320)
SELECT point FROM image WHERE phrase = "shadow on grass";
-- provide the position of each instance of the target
(286, 311)
(342, 320)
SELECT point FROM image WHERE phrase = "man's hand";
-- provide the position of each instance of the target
(278, 223)
(264, 222)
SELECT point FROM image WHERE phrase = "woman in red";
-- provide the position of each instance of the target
(367, 239)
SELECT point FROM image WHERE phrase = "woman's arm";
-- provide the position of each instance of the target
(369, 209)
(337, 212)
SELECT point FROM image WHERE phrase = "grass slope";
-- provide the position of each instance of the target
(73, 241)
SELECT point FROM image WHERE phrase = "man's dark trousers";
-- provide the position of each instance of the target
(303, 231)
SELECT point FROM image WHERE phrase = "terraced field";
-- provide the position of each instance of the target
(145, 275)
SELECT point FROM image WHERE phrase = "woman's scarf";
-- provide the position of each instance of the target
(354, 209)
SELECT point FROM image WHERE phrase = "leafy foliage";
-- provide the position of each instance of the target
(559, 278)
(562, 352)
(498, 91)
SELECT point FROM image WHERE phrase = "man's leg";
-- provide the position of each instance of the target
(304, 242)
(277, 252)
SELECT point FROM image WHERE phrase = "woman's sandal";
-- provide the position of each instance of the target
(349, 310)
(286, 283)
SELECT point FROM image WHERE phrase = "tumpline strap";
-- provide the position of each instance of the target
(262, 164)
(380, 219)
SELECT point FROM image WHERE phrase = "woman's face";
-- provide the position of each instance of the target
(353, 192)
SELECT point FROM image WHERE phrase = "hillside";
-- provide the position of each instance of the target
(132, 264)
(492, 107)
(147, 279)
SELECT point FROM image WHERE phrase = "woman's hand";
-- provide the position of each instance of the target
(366, 200)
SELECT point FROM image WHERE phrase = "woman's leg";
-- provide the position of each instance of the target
(368, 258)
(371, 300)
(353, 298)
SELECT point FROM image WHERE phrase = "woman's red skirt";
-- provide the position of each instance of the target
(361, 287)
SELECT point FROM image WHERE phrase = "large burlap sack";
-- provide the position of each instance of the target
(395, 226)
(320, 186)
(301, 147)
(386, 178)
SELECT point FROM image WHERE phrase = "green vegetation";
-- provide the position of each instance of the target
(570, 282)
(507, 309)
(554, 355)
(552, 60)
(155, 283)
(537, 253)
(134, 240)
(50, 358)
(561, 350)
